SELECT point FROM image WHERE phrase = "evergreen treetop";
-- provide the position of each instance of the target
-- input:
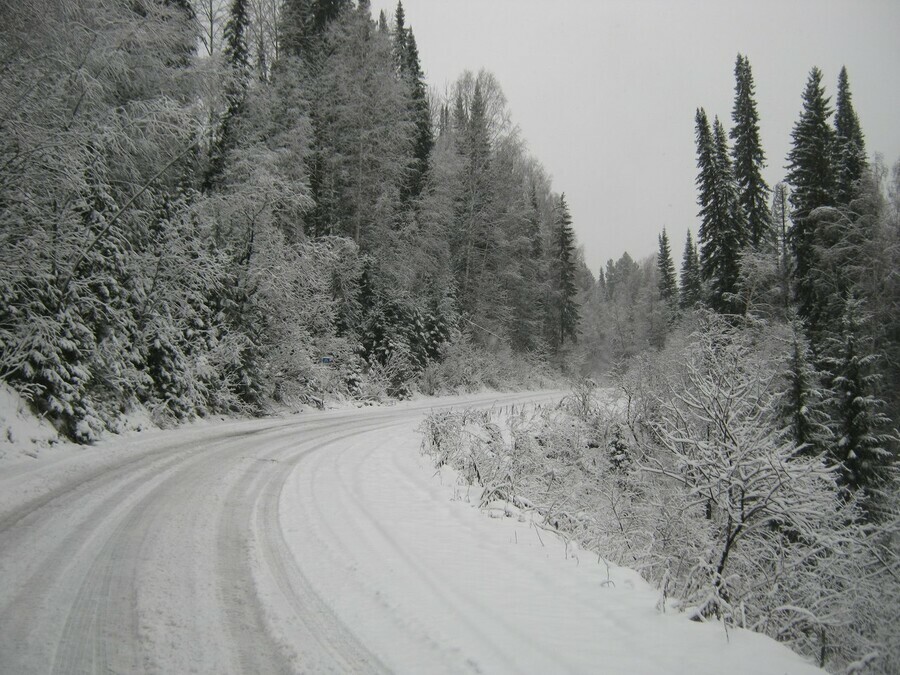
(850, 151)
(236, 51)
(811, 177)
(691, 283)
(749, 158)
(563, 273)
(722, 229)
(667, 282)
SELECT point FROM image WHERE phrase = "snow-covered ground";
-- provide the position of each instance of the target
(321, 542)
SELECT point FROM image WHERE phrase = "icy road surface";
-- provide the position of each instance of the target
(317, 543)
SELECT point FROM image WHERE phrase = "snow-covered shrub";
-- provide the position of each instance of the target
(691, 479)
(463, 367)
(764, 536)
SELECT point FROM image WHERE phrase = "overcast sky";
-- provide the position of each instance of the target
(605, 92)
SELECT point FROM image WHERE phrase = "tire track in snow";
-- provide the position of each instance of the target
(306, 616)
(77, 611)
(350, 536)
(471, 612)
(49, 566)
(176, 556)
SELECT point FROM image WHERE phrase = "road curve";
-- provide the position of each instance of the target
(320, 543)
(185, 551)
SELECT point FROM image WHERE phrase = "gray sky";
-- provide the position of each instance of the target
(604, 92)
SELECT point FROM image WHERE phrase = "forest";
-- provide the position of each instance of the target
(213, 212)
(219, 207)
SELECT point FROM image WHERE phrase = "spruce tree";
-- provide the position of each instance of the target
(801, 406)
(473, 232)
(406, 56)
(303, 23)
(235, 34)
(722, 230)
(860, 445)
(691, 283)
(811, 177)
(749, 158)
(400, 34)
(667, 283)
(295, 26)
(562, 271)
(237, 57)
(850, 151)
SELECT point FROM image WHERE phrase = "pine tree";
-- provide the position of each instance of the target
(722, 230)
(691, 284)
(850, 148)
(706, 175)
(528, 303)
(363, 135)
(294, 27)
(749, 159)
(667, 283)
(562, 272)
(812, 180)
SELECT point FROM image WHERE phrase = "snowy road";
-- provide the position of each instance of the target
(317, 543)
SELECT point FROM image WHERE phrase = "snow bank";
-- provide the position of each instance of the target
(21, 431)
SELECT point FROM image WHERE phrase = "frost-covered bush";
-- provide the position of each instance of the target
(464, 367)
(691, 478)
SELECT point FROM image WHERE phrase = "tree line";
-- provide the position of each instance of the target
(816, 254)
(208, 206)
(748, 468)
(829, 273)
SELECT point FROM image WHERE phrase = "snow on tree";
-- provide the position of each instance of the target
(861, 444)
(802, 404)
(407, 56)
(764, 538)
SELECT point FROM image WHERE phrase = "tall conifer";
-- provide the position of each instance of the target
(722, 230)
(562, 271)
(749, 158)
(860, 444)
(691, 284)
(811, 176)
(667, 283)
(237, 58)
(303, 23)
(850, 151)
(235, 33)
(406, 56)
